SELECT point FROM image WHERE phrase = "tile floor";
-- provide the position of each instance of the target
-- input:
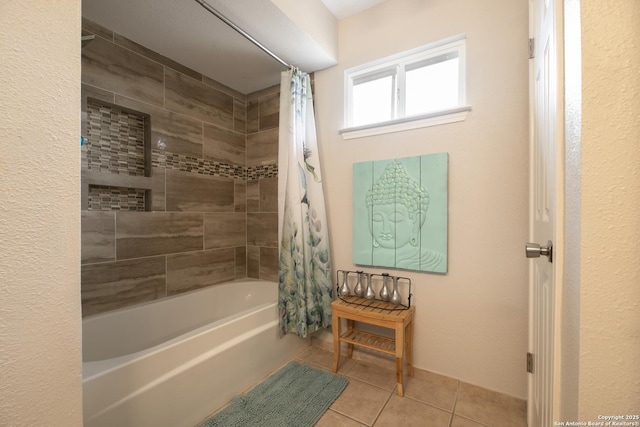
(430, 399)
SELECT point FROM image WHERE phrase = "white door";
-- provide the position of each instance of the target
(545, 192)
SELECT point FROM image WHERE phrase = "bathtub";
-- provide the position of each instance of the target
(175, 361)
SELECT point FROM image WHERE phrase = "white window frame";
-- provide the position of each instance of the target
(396, 65)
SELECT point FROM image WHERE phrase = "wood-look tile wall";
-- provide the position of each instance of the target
(262, 184)
(213, 183)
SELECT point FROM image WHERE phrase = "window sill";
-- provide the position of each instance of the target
(407, 123)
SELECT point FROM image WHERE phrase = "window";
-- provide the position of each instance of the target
(417, 88)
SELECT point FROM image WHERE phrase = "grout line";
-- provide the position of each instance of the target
(349, 368)
(166, 273)
(350, 417)
(455, 403)
(384, 406)
(347, 416)
(115, 236)
(474, 421)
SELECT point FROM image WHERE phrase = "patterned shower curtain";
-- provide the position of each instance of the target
(305, 285)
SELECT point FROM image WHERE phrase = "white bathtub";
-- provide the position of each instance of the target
(175, 361)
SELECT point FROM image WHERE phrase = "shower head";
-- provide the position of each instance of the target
(87, 39)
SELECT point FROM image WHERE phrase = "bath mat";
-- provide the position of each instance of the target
(295, 396)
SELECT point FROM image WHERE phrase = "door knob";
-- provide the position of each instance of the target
(535, 250)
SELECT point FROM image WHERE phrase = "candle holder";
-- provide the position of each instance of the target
(369, 293)
(359, 289)
(344, 289)
(372, 289)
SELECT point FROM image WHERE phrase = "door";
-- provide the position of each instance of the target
(545, 192)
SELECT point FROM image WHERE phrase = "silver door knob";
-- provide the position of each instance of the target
(535, 250)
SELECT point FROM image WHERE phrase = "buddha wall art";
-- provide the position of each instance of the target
(400, 213)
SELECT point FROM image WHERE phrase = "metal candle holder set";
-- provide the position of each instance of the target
(364, 287)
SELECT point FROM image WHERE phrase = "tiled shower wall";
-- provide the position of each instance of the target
(212, 213)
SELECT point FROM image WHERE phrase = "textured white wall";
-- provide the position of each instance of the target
(610, 271)
(40, 362)
(472, 322)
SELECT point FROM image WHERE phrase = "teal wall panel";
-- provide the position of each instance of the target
(400, 213)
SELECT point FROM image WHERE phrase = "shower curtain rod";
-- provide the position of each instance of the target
(243, 33)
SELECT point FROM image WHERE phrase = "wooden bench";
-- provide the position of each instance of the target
(378, 313)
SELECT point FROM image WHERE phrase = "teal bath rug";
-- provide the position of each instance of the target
(295, 396)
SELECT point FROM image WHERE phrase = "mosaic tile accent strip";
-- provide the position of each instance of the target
(264, 171)
(203, 166)
(103, 198)
(198, 165)
(116, 140)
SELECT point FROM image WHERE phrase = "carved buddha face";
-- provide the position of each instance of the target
(397, 206)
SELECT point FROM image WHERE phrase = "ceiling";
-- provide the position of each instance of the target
(345, 8)
(186, 32)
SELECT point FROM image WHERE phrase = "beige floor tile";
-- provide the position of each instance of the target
(359, 353)
(373, 374)
(434, 389)
(361, 401)
(370, 398)
(334, 419)
(304, 352)
(372, 357)
(324, 359)
(463, 422)
(490, 408)
(405, 412)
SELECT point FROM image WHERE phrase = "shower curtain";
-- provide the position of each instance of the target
(305, 286)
